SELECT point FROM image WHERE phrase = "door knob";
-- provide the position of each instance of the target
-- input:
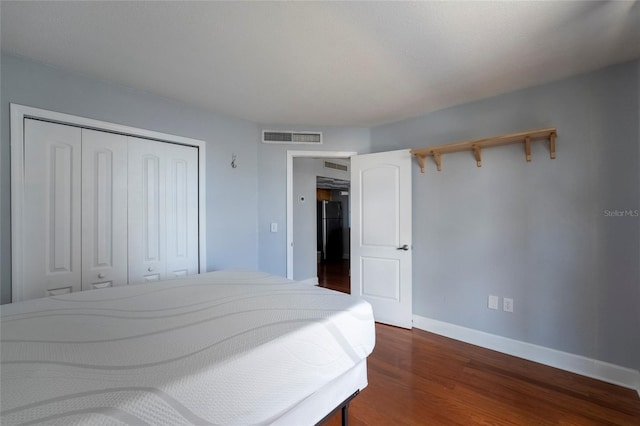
(150, 268)
(404, 247)
(100, 275)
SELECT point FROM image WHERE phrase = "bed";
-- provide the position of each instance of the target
(227, 347)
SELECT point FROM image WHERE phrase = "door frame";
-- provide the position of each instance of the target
(18, 115)
(290, 156)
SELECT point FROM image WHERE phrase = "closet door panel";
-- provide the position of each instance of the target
(182, 210)
(52, 197)
(147, 216)
(104, 209)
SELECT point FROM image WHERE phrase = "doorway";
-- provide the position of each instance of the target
(382, 277)
(333, 231)
(303, 251)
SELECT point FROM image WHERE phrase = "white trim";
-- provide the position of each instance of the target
(611, 373)
(290, 156)
(202, 207)
(19, 113)
(17, 200)
(89, 123)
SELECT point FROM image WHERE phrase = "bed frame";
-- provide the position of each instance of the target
(344, 407)
(333, 397)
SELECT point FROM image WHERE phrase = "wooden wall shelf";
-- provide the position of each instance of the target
(477, 145)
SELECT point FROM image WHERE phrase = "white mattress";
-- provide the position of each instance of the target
(218, 348)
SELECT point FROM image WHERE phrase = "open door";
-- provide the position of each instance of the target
(381, 234)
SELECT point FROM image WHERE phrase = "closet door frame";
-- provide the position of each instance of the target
(21, 112)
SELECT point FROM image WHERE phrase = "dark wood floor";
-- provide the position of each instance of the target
(334, 275)
(420, 378)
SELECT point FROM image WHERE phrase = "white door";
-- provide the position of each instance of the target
(163, 210)
(51, 244)
(181, 210)
(104, 209)
(147, 218)
(381, 234)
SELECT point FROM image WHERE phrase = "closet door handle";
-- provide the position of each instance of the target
(101, 275)
(404, 247)
(150, 268)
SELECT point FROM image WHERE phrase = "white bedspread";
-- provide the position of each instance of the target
(218, 348)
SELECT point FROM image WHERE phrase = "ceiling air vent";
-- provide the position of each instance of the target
(336, 166)
(269, 136)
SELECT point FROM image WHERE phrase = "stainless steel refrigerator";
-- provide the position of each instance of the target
(330, 230)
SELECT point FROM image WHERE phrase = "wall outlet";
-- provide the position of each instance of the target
(493, 302)
(507, 304)
(274, 227)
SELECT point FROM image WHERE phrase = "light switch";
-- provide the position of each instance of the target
(274, 227)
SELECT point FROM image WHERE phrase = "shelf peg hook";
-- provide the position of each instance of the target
(438, 159)
(478, 154)
(421, 162)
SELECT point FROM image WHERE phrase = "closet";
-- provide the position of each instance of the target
(104, 209)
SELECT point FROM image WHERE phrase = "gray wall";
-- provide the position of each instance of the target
(535, 231)
(272, 165)
(304, 219)
(232, 239)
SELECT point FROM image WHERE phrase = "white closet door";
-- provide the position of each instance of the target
(51, 242)
(147, 218)
(182, 210)
(104, 209)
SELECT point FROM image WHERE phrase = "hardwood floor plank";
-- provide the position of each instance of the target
(419, 378)
(549, 406)
(335, 275)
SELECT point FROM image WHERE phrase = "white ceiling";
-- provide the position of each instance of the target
(324, 63)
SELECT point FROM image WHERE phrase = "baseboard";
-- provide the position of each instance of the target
(310, 281)
(578, 364)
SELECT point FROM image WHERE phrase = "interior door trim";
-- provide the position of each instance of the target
(290, 156)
